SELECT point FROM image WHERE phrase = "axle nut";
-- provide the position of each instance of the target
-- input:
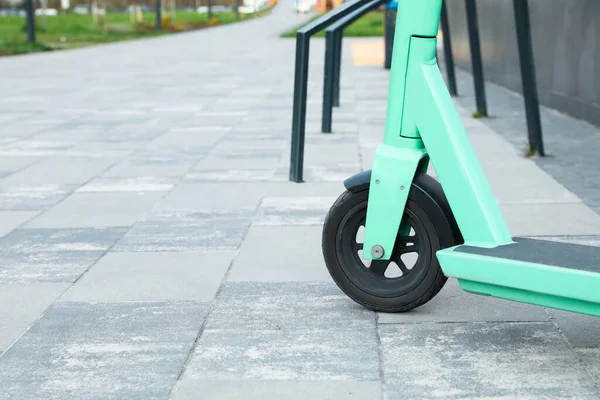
(377, 251)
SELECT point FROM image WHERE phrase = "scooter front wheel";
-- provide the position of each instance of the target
(413, 275)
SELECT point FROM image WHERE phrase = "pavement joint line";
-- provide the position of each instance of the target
(213, 304)
(582, 367)
(380, 355)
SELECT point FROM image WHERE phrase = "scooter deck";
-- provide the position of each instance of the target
(558, 275)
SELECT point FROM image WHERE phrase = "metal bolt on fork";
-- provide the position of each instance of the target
(377, 251)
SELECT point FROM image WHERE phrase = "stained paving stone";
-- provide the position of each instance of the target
(488, 360)
(187, 230)
(286, 331)
(52, 255)
(155, 276)
(10, 220)
(21, 305)
(32, 197)
(136, 184)
(275, 390)
(590, 359)
(293, 210)
(102, 350)
(98, 209)
(292, 253)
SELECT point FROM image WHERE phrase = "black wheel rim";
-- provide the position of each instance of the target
(408, 264)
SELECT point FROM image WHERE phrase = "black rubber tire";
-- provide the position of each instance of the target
(428, 207)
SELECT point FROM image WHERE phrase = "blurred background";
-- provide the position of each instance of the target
(63, 24)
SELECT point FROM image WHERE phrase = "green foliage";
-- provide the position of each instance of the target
(479, 114)
(368, 25)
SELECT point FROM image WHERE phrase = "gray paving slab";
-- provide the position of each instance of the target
(285, 331)
(573, 160)
(162, 161)
(580, 330)
(282, 253)
(33, 148)
(10, 220)
(307, 210)
(196, 136)
(102, 350)
(211, 196)
(213, 163)
(98, 209)
(321, 173)
(305, 189)
(590, 359)
(52, 255)
(21, 305)
(155, 276)
(567, 219)
(322, 154)
(12, 164)
(185, 230)
(61, 170)
(74, 134)
(231, 175)
(32, 197)
(488, 360)
(454, 305)
(277, 389)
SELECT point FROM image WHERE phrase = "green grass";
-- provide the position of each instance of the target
(369, 25)
(72, 31)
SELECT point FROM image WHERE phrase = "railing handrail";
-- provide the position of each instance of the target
(327, 19)
(354, 15)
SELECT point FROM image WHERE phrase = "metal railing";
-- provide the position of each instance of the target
(303, 36)
(333, 45)
(527, 67)
(448, 54)
(333, 55)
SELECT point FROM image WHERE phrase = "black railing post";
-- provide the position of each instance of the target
(448, 55)
(337, 67)
(209, 9)
(528, 78)
(333, 60)
(158, 15)
(237, 9)
(328, 80)
(30, 16)
(389, 29)
(299, 112)
(477, 65)
(303, 36)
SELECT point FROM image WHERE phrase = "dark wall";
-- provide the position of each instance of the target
(566, 41)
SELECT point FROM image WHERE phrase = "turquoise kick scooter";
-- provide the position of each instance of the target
(396, 235)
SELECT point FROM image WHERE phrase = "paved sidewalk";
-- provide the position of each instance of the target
(152, 246)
